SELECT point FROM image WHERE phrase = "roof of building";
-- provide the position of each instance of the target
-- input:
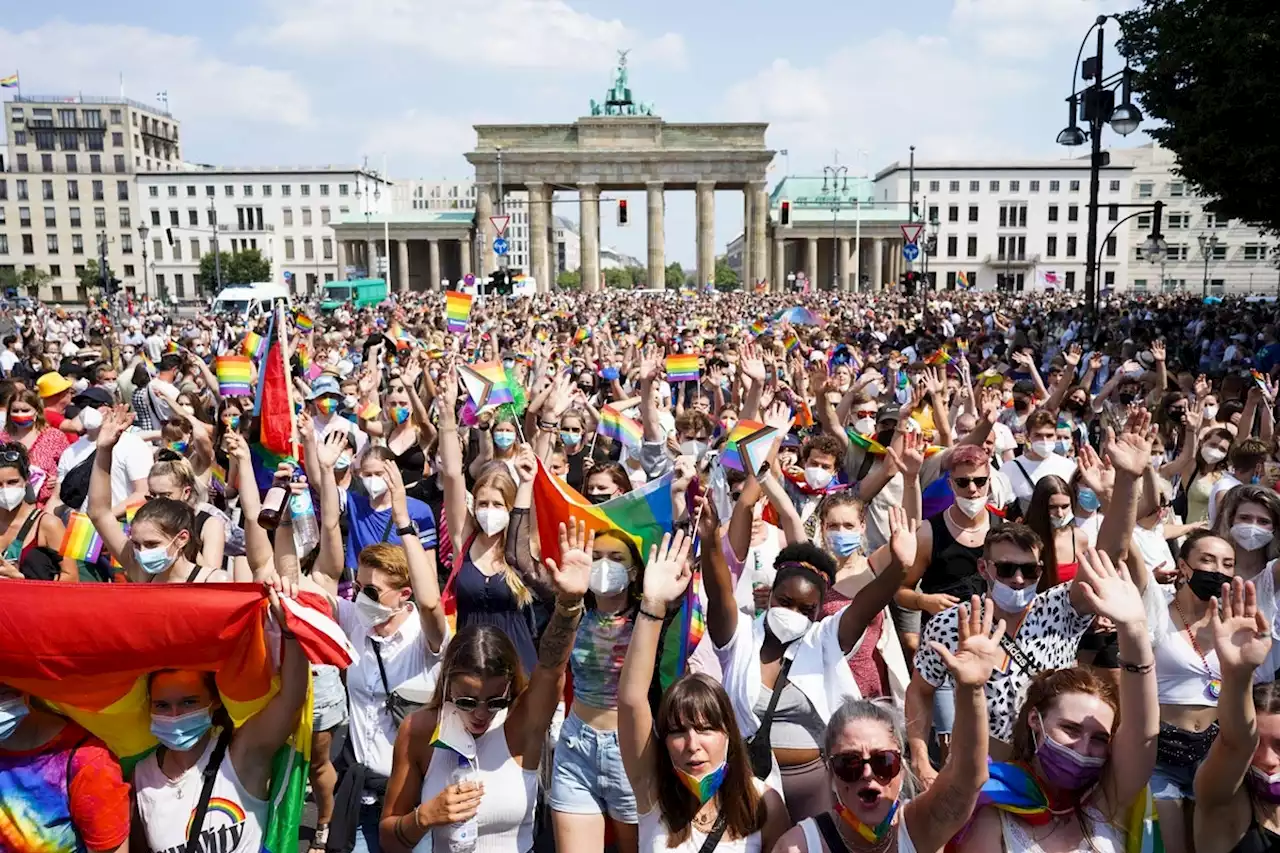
(91, 101)
(812, 200)
(407, 217)
(1067, 164)
(196, 170)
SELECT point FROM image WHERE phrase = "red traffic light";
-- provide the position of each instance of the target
(785, 215)
(622, 211)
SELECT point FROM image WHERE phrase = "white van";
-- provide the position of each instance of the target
(247, 301)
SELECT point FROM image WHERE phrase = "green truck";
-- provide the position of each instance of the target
(362, 292)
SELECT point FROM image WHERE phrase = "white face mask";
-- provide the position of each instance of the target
(971, 506)
(90, 419)
(1250, 537)
(492, 519)
(865, 426)
(786, 624)
(12, 497)
(1212, 455)
(375, 486)
(1210, 413)
(1060, 521)
(1012, 600)
(373, 612)
(608, 577)
(1043, 448)
(818, 478)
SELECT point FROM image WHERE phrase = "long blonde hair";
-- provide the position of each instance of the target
(496, 476)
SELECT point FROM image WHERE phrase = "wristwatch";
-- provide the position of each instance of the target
(410, 529)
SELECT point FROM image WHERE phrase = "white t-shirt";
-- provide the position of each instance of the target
(653, 834)
(337, 423)
(1024, 472)
(131, 460)
(7, 360)
(233, 822)
(1225, 483)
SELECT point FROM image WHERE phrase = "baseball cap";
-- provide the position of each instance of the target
(52, 384)
(887, 413)
(324, 384)
(92, 396)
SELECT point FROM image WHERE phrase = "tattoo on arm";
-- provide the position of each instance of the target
(557, 639)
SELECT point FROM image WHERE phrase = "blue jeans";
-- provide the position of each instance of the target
(367, 831)
(588, 777)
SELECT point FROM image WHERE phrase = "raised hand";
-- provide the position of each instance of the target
(331, 448)
(751, 364)
(395, 487)
(114, 424)
(1157, 351)
(234, 445)
(978, 651)
(570, 577)
(1241, 635)
(667, 573)
(912, 455)
(448, 387)
(1092, 473)
(902, 536)
(1072, 356)
(778, 416)
(1201, 388)
(708, 522)
(650, 364)
(1194, 416)
(277, 588)
(526, 463)
(1095, 361)
(1131, 452)
(1109, 592)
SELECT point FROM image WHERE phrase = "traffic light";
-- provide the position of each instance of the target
(622, 211)
(499, 283)
(785, 215)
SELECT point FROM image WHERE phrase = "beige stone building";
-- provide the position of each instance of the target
(68, 183)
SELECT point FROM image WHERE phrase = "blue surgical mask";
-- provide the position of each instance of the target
(182, 733)
(844, 542)
(12, 712)
(1088, 499)
(504, 440)
(154, 560)
(1062, 447)
(570, 439)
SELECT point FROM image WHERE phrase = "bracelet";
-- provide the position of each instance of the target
(549, 426)
(653, 616)
(1137, 668)
(575, 610)
(398, 829)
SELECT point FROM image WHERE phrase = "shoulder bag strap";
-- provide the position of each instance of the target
(386, 531)
(1020, 657)
(1025, 475)
(382, 670)
(766, 722)
(713, 837)
(32, 518)
(210, 774)
(830, 834)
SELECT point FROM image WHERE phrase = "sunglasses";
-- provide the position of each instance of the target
(467, 704)
(1005, 570)
(10, 456)
(965, 482)
(885, 765)
(370, 591)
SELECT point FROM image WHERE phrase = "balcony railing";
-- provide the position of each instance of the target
(1019, 260)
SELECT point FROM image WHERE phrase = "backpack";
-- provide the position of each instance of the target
(74, 490)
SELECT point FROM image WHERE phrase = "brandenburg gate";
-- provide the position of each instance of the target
(622, 146)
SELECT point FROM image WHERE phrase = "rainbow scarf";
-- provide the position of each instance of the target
(1013, 788)
(870, 834)
(866, 442)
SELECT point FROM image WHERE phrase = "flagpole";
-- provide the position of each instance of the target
(386, 227)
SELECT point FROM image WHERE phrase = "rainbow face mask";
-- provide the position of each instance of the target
(326, 405)
(399, 414)
(704, 787)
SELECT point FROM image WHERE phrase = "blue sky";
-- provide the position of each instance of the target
(302, 82)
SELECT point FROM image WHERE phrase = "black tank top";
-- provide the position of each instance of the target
(411, 462)
(1257, 838)
(953, 568)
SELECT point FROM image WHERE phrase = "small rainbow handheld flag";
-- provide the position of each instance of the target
(219, 474)
(962, 345)
(866, 442)
(583, 334)
(369, 411)
(235, 375)
(962, 280)
(682, 368)
(171, 348)
(457, 310)
(304, 321)
(252, 345)
(759, 327)
(613, 424)
(81, 541)
(939, 357)
(1260, 381)
(748, 446)
(791, 342)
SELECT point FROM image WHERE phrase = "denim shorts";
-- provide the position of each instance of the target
(329, 702)
(1169, 782)
(588, 777)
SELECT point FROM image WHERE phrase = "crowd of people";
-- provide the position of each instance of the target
(978, 573)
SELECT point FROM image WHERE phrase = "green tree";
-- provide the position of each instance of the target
(617, 278)
(91, 276)
(33, 278)
(676, 276)
(238, 268)
(1201, 73)
(725, 278)
(569, 280)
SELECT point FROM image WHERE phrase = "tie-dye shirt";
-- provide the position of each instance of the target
(598, 653)
(44, 811)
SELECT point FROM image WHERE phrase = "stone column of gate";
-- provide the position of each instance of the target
(484, 210)
(342, 260)
(539, 260)
(433, 265)
(402, 263)
(371, 266)
(748, 238)
(877, 264)
(589, 238)
(811, 261)
(656, 207)
(842, 264)
(856, 258)
(760, 225)
(779, 282)
(464, 254)
(705, 202)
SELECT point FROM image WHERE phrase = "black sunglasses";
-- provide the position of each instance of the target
(964, 482)
(467, 704)
(885, 765)
(1006, 569)
(369, 591)
(10, 456)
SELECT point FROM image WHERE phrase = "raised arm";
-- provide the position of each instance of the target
(453, 482)
(876, 595)
(422, 563)
(114, 424)
(257, 544)
(722, 608)
(666, 575)
(518, 549)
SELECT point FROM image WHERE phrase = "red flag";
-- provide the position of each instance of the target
(276, 413)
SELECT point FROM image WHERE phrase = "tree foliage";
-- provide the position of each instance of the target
(91, 276)
(569, 280)
(725, 277)
(676, 277)
(238, 268)
(1206, 70)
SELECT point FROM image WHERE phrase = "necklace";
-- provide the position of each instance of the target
(705, 822)
(1214, 689)
(875, 839)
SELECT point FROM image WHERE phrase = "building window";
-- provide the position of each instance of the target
(248, 190)
(324, 215)
(160, 283)
(1071, 246)
(1054, 186)
(1145, 189)
(72, 165)
(1113, 186)
(191, 191)
(1177, 189)
(1053, 213)
(304, 190)
(1073, 213)
(125, 217)
(953, 213)
(19, 137)
(77, 244)
(210, 190)
(344, 190)
(157, 249)
(287, 215)
(51, 243)
(229, 191)
(153, 191)
(24, 217)
(1070, 281)
(21, 161)
(195, 248)
(22, 190)
(1179, 221)
(173, 217)
(953, 186)
(915, 186)
(1211, 220)
(994, 186)
(46, 190)
(952, 245)
(122, 190)
(175, 251)
(1144, 221)
(126, 244)
(971, 247)
(1013, 215)
(74, 214)
(308, 249)
(212, 215)
(1073, 186)
(28, 245)
(324, 189)
(288, 248)
(193, 216)
(50, 217)
(266, 190)
(4, 244)
(286, 190)
(1111, 246)
(1255, 252)
(975, 186)
(1218, 253)
(973, 213)
(1051, 246)
(99, 217)
(306, 216)
(1113, 212)
(155, 218)
(173, 191)
(179, 285)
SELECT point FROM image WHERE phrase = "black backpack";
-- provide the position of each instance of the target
(75, 486)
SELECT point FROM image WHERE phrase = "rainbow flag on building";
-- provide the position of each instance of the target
(617, 426)
(81, 542)
(10, 82)
(235, 375)
(682, 368)
(457, 311)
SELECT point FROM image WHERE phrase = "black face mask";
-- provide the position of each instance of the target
(599, 499)
(1205, 585)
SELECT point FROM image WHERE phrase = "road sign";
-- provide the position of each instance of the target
(911, 232)
(500, 246)
(500, 225)
(469, 280)
(910, 251)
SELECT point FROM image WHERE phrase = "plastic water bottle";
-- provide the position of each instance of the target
(463, 836)
(306, 528)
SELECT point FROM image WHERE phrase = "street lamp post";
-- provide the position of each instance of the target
(1097, 103)
(930, 246)
(837, 178)
(1207, 246)
(143, 230)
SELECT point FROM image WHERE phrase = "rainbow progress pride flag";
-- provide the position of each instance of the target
(235, 375)
(486, 383)
(682, 368)
(748, 446)
(457, 311)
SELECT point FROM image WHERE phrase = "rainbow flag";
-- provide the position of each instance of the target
(252, 345)
(235, 375)
(81, 541)
(748, 446)
(759, 327)
(962, 280)
(791, 342)
(457, 311)
(171, 347)
(10, 82)
(1259, 380)
(939, 356)
(681, 636)
(866, 442)
(1143, 834)
(106, 692)
(369, 411)
(304, 321)
(682, 368)
(962, 345)
(486, 383)
(613, 424)
(582, 335)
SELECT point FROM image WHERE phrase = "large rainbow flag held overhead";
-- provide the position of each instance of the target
(457, 309)
(94, 670)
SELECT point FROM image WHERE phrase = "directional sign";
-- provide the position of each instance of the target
(500, 225)
(911, 232)
(500, 246)
(469, 280)
(910, 251)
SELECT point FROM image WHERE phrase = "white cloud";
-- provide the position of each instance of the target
(532, 34)
(59, 57)
(1027, 29)
(417, 137)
